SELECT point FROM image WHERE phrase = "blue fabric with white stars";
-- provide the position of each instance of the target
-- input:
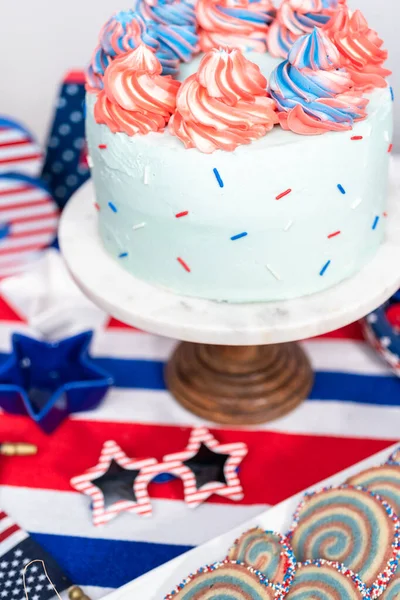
(65, 168)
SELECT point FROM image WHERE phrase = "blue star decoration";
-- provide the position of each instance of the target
(50, 380)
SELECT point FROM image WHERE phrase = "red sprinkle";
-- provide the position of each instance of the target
(357, 137)
(102, 146)
(97, 207)
(184, 265)
(331, 235)
(385, 214)
(182, 214)
(285, 193)
(390, 148)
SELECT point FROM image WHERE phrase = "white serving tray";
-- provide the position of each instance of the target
(155, 584)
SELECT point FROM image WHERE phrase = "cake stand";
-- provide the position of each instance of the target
(238, 363)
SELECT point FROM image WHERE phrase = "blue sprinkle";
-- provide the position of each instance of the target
(376, 220)
(324, 268)
(218, 176)
(113, 207)
(392, 93)
(238, 236)
(341, 188)
(123, 255)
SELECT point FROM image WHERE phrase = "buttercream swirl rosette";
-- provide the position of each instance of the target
(224, 105)
(326, 581)
(239, 24)
(383, 480)
(296, 18)
(124, 31)
(227, 580)
(268, 552)
(313, 93)
(351, 526)
(174, 25)
(360, 48)
(136, 97)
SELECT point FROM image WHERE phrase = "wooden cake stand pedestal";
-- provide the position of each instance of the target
(239, 384)
(238, 363)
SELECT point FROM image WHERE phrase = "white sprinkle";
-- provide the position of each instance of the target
(288, 226)
(146, 175)
(274, 273)
(386, 341)
(139, 226)
(356, 203)
(90, 161)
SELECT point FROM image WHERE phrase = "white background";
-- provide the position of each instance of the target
(41, 39)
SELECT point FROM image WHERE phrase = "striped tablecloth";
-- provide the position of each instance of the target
(353, 411)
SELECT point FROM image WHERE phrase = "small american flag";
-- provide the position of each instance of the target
(19, 152)
(17, 551)
(28, 221)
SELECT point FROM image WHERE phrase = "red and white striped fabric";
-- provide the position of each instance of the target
(28, 221)
(19, 152)
(353, 411)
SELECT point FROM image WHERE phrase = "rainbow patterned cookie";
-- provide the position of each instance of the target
(228, 580)
(326, 581)
(351, 526)
(383, 480)
(268, 552)
(392, 591)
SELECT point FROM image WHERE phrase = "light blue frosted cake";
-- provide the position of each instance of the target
(242, 183)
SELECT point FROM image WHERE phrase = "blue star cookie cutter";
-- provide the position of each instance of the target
(50, 380)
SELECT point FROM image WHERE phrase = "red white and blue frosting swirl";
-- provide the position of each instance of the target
(312, 91)
(296, 18)
(241, 24)
(174, 25)
(124, 31)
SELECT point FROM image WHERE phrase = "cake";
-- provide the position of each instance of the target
(240, 153)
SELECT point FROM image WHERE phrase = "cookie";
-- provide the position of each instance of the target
(351, 526)
(325, 580)
(267, 552)
(394, 458)
(383, 480)
(392, 591)
(228, 580)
